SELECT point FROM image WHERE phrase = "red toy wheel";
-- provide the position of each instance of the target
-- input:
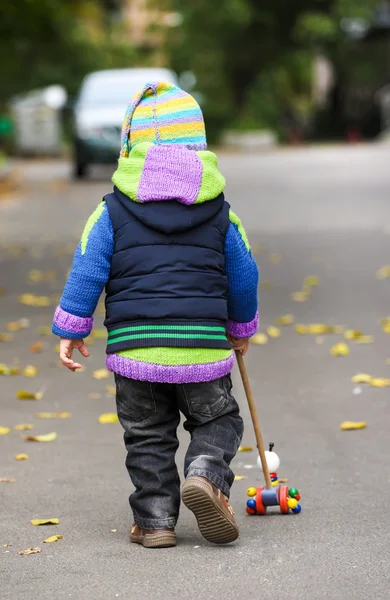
(260, 508)
(283, 497)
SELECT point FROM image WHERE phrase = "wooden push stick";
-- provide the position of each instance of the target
(255, 418)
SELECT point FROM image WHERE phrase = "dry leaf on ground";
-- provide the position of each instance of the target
(285, 320)
(6, 337)
(353, 334)
(240, 477)
(37, 347)
(101, 374)
(44, 330)
(259, 339)
(301, 296)
(380, 382)
(52, 521)
(7, 480)
(385, 324)
(53, 415)
(33, 300)
(350, 425)
(111, 389)
(94, 396)
(274, 258)
(21, 456)
(4, 430)
(365, 339)
(52, 538)
(301, 329)
(14, 326)
(4, 370)
(318, 329)
(274, 332)
(35, 275)
(266, 285)
(99, 334)
(30, 371)
(47, 437)
(311, 281)
(245, 449)
(112, 531)
(29, 551)
(24, 395)
(362, 378)
(108, 418)
(383, 272)
(24, 426)
(340, 349)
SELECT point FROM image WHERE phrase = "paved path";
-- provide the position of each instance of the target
(327, 213)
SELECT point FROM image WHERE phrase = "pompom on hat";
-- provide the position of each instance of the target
(162, 113)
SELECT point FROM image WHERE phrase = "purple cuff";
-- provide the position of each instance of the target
(134, 369)
(243, 330)
(65, 323)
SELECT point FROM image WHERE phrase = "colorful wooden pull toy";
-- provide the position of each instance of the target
(279, 495)
(272, 494)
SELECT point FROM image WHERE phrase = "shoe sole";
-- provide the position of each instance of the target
(214, 524)
(155, 540)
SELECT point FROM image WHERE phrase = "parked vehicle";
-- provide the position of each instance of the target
(99, 110)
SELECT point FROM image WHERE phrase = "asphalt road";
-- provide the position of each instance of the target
(324, 212)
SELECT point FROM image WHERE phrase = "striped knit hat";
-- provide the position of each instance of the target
(162, 113)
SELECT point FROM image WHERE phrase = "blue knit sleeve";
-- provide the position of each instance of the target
(87, 278)
(243, 279)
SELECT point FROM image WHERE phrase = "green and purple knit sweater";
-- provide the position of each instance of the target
(136, 178)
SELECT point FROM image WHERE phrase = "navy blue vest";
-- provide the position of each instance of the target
(167, 285)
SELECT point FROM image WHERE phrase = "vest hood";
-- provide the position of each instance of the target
(170, 216)
(169, 172)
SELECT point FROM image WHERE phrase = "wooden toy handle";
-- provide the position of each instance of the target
(255, 418)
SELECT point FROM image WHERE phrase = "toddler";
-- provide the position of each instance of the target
(181, 296)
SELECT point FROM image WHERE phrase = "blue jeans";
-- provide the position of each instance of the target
(150, 415)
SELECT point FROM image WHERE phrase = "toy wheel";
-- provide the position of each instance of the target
(283, 497)
(260, 508)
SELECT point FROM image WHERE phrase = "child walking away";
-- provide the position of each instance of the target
(181, 294)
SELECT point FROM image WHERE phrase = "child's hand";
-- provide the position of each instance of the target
(240, 344)
(66, 350)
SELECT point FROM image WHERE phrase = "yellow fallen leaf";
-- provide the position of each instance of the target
(340, 349)
(101, 374)
(365, 339)
(14, 370)
(283, 479)
(353, 334)
(383, 272)
(30, 371)
(35, 275)
(388, 361)
(4, 430)
(112, 531)
(13, 326)
(7, 480)
(379, 382)
(89, 341)
(6, 337)
(337, 329)
(99, 334)
(311, 281)
(301, 329)
(53, 415)
(274, 258)
(108, 418)
(101, 308)
(52, 538)
(240, 477)
(24, 427)
(245, 449)
(274, 332)
(47, 437)
(111, 389)
(21, 456)
(349, 425)
(37, 347)
(29, 551)
(301, 296)
(33, 300)
(318, 329)
(38, 522)
(386, 324)
(362, 378)
(258, 248)
(57, 348)
(50, 275)
(44, 330)
(266, 285)
(23, 395)
(285, 320)
(259, 338)
(94, 396)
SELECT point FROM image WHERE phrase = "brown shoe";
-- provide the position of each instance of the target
(212, 510)
(152, 538)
